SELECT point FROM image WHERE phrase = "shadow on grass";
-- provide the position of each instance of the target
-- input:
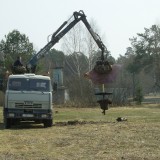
(1, 126)
(27, 125)
(23, 125)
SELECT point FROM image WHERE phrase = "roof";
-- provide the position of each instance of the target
(28, 75)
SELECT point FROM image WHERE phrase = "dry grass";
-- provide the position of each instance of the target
(136, 139)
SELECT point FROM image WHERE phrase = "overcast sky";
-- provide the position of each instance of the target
(118, 20)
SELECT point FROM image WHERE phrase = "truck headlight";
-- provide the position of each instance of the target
(44, 116)
(11, 115)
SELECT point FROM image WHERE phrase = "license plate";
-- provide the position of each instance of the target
(28, 103)
(28, 115)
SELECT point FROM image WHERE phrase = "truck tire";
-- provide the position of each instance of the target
(48, 123)
(7, 123)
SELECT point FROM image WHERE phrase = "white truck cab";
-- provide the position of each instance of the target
(28, 97)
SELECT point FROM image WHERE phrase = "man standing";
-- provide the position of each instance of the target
(18, 67)
(18, 62)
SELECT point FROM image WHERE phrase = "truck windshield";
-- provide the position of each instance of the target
(24, 84)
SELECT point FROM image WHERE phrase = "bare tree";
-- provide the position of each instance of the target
(80, 49)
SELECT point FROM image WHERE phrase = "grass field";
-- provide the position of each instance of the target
(97, 137)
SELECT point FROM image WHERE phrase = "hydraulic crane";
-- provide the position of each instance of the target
(101, 65)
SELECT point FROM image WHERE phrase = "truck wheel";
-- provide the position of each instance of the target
(48, 123)
(7, 123)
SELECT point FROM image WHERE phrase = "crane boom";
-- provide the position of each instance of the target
(59, 33)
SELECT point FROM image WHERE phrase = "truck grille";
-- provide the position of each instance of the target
(22, 105)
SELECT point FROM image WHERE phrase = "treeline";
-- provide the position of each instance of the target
(142, 62)
(140, 73)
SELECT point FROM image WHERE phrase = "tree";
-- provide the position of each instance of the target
(75, 61)
(133, 67)
(15, 44)
(138, 95)
(147, 51)
(82, 53)
(125, 77)
(75, 66)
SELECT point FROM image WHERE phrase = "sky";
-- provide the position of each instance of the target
(117, 20)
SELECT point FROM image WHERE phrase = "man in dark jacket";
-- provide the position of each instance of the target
(18, 62)
(18, 67)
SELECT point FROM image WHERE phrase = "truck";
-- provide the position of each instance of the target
(28, 97)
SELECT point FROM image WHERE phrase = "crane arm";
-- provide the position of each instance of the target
(59, 33)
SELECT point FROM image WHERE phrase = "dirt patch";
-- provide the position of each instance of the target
(76, 122)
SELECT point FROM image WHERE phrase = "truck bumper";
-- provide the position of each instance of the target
(28, 114)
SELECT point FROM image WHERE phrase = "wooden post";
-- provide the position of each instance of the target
(103, 89)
